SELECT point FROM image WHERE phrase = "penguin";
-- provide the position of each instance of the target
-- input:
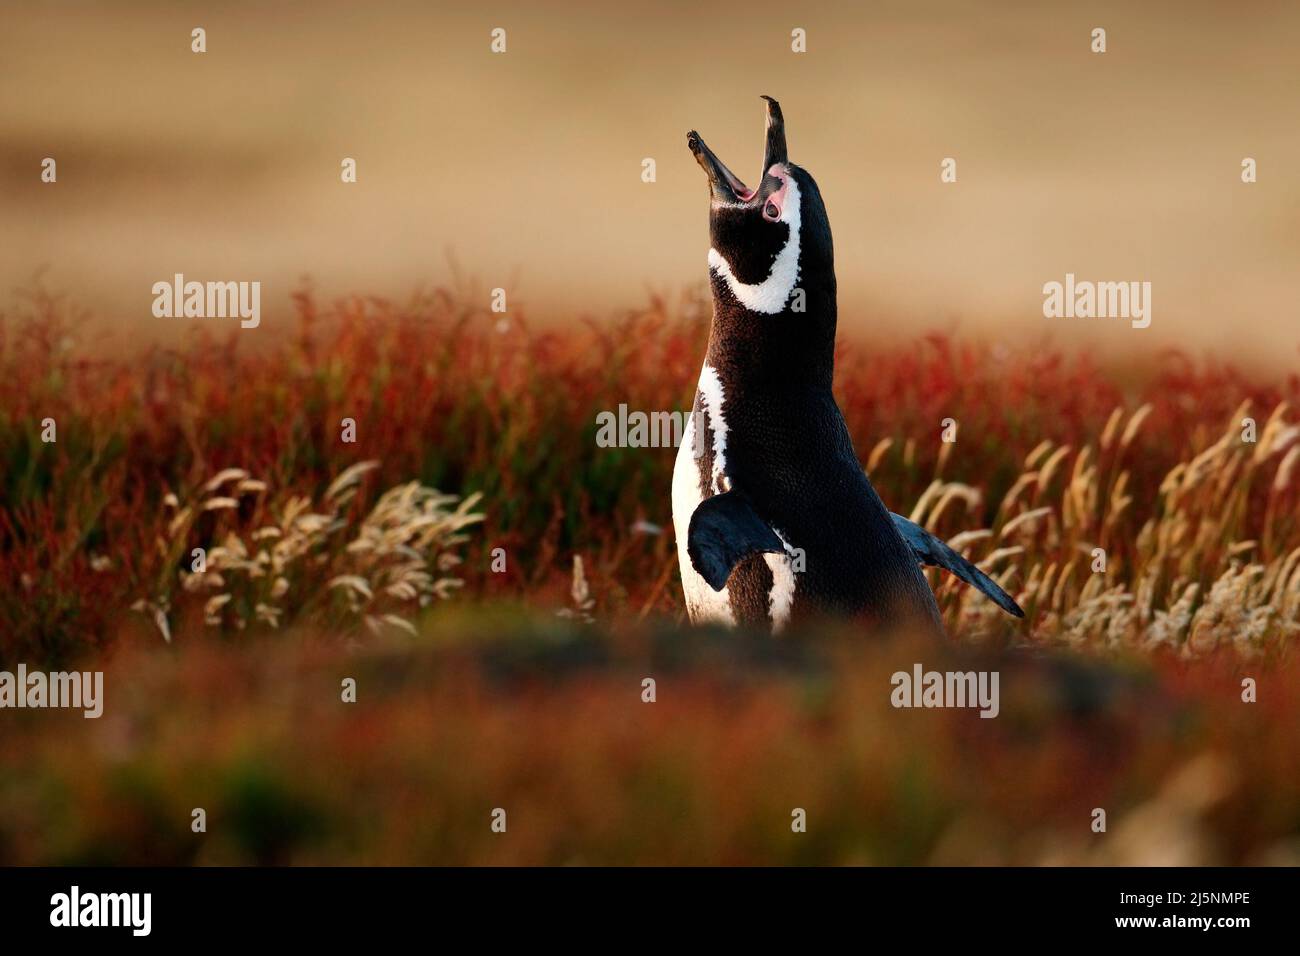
(775, 517)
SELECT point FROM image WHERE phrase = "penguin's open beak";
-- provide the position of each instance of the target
(723, 183)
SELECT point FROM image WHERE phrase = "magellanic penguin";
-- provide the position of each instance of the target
(774, 515)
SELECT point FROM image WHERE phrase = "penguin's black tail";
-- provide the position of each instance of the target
(930, 550)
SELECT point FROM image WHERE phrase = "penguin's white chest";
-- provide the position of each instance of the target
(703, 604)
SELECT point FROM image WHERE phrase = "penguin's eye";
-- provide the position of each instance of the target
(770, 212)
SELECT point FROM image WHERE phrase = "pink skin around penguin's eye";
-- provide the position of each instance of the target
(775, 202)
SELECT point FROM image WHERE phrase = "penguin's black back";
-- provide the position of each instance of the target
(789, 451)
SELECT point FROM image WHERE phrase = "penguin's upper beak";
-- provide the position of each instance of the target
(723, 183)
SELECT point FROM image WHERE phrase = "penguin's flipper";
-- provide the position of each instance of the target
(724, 529)
(930, 550)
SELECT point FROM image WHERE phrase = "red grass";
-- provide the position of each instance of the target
(440, 396)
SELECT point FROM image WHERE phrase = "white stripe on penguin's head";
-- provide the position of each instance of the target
(770, 296)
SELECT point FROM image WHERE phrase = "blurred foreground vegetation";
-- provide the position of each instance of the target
(544, 718)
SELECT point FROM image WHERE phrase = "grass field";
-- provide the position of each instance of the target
(521, 688)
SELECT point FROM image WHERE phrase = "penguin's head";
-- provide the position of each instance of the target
(774, 238)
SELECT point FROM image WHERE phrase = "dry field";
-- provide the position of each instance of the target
(521, 688)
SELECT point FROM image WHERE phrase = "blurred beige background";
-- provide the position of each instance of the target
(226, 165)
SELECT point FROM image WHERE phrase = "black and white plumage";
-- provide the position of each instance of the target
(775, 517)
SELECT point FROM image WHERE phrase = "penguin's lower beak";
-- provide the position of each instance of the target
(722, 182)
(774, 148)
